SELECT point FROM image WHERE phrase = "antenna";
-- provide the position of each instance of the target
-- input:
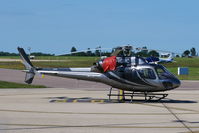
(29, 49)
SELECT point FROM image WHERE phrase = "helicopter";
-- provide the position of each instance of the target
(133, 75)
(168, 57)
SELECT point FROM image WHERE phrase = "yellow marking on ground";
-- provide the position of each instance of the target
(79, 101)
(61, 101)
(43, 76)
(101, 101)
(75, 101)
(92, 101)
(121, 94)
(97, 101)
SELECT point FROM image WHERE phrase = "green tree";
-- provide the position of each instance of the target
(144, 49)
(193, 51)
(143, 52)
(81, 54)
(186, 53)
(8, 54)
(89, 53)
(73, 49)
(41, 54)
(98, 51)
(153, 53)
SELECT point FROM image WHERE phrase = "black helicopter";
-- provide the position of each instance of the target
(121, 70)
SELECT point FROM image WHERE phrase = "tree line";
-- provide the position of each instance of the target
(88, 52)
(192, 52)
(8, 54)
(16, 54)
(142, 53)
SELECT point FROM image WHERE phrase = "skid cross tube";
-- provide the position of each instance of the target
(147, 95)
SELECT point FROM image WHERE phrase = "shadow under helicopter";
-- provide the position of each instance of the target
(97, 100)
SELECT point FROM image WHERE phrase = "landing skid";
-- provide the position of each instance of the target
(147, 95)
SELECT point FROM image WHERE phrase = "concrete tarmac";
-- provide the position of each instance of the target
(46, 111)
(82, 107)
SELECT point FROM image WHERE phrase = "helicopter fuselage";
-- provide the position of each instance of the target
(141, 78)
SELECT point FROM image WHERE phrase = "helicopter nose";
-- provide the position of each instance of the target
(176, 83)
(172, 84)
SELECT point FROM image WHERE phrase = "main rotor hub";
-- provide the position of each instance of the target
(122, 51)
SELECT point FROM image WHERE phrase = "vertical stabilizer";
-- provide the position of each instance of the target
(30, 70)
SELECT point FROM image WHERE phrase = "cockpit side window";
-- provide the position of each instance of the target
(161, 73)
(147, 73)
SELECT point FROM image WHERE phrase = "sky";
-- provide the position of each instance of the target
(54, 26)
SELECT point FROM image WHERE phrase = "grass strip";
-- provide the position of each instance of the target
(5, 84)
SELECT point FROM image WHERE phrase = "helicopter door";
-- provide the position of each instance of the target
(147, 73)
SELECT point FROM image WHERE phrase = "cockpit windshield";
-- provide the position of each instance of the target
(162, 72)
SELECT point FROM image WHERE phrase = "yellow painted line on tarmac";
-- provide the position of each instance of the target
(78, 101)
(102, 101)
(75, 101)
(43, 76)
(92, 101)
(61, 101)
(65, 100)
(121, 94)
(97, 101)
